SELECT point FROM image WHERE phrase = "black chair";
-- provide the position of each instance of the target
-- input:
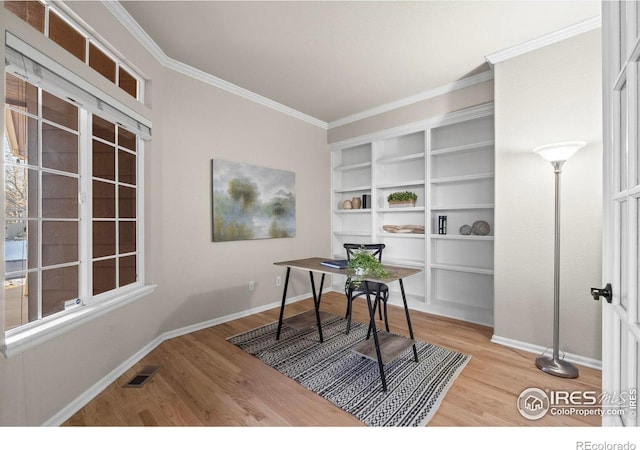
(355, 290)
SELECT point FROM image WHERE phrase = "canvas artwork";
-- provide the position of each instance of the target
(252, 202)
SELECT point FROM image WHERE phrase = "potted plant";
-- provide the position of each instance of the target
(364, 264)
(401, 199)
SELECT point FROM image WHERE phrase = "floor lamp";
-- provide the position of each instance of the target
(557, 154)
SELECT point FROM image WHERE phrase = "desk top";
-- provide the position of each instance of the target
(313, 264)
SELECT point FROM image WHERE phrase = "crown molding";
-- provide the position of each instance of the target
(470, 113)
(548, 39)
(136, 30)
(459, 84)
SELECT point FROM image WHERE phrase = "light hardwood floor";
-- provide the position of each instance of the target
(204, 380)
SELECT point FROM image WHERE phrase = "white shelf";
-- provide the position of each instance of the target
(463, 178)
(353, 189)
(400, 210)
(348, 167)
(461, 305)
(404, 262)
(403, 158)
(450, 165)
(352, 211)
(462, 207)
(403, 184)
(467, 269)
(461, 237)
(352, 233)
(401, 235)
(463, 148)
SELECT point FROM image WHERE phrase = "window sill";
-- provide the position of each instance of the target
(14, 344)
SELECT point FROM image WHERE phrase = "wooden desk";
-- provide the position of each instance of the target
(386, 346)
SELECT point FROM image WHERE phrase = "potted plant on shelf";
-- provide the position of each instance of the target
(402, 199)
(364, 264)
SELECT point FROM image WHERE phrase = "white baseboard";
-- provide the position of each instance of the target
(79, 402)
(64, 414)
(538, 349)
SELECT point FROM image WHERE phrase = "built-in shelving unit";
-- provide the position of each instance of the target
(448, 162)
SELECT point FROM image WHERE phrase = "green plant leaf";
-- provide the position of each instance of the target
(402, 196)
(369, 264)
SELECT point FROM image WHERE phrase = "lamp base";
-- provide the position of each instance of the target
(556, 367)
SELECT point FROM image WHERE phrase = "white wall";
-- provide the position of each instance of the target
(198, 280)
(550, 95)
(204, 123)
(473, 95)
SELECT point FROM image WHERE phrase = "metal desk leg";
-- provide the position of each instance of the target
(316, 302)
(372, 325)
(320, 292)
(406, 311)
(284, 297)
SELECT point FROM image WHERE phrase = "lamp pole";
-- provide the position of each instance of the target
(557, 170)
(557, 154)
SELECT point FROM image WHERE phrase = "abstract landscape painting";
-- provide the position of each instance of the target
(252, 202)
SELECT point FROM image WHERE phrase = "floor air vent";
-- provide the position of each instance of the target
(142, 377)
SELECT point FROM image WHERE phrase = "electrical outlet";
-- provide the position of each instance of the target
(252, 285)
(278, 280)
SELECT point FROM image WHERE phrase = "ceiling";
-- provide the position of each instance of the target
(333, 59)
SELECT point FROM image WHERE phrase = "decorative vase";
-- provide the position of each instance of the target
(347, 204)
(356, 202)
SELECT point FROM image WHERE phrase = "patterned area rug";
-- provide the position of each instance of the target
(352, 382)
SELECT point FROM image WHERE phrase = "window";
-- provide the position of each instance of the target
(114, 206)
(66, 36)
(102, 63)
(50, 21)
(72, 197)
(31, 12)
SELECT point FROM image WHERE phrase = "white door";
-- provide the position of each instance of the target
(621, 249)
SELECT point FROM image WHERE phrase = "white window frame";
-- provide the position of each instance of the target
(74, 21)
(34, 333)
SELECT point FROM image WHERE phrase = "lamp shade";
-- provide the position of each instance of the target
(560, 151)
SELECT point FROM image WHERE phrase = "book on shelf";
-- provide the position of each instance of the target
(366, 201)
(336, 263)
